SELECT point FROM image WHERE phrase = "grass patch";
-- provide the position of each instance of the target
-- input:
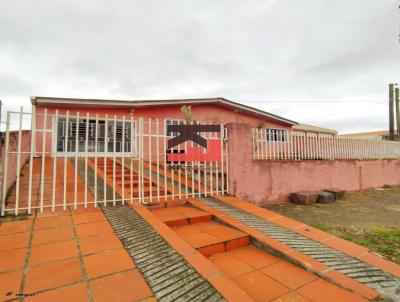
(383, 240)
(322, 226)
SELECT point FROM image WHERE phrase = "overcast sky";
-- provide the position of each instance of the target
(323, 62)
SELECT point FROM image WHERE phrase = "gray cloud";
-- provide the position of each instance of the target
(257, 52)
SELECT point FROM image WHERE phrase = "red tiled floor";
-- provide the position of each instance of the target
(52, 222)
(188, 230)
(202, 265)
(54, 274)
(200, 240)
(81, 209)
(76, 293)
(203, 236)
(230, 265)
(52, 235)
(53, 251)
(108, 262)
(95, 228)
(58, 211)
(14, 241)
(15, 227)
(237, 243)
(324, 291)
(259, 286)
(88, 217)
(127, 286)
(198, 219)
(291, 297)
(289, 274)
(10, 284)
(226, 233)
(207, 226)
(212, 249)
(113, 274)
(181, 215)
(190, 212)
(254, 257)
(231, 292)
(99, 243)
(13, 259)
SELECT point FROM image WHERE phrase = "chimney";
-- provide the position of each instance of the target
(391, 112)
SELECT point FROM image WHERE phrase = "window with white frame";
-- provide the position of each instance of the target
(84, 135)
(276, 135)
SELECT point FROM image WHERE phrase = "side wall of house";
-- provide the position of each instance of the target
(262, 181)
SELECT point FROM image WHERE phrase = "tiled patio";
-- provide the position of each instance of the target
(268, 278)
(76, 256)
(67, 256)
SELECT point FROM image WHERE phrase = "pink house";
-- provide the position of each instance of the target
(217, 111)
(246, 131)
(83, 149)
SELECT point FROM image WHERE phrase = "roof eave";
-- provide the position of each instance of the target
(148, 103)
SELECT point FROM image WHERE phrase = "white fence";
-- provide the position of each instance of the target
(78, 159)
(296, 146)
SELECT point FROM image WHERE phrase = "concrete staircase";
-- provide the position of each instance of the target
(198, 229)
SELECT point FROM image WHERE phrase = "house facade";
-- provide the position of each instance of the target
(83, 151)
(215, 111)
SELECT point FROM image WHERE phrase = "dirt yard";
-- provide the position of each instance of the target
(370, 218)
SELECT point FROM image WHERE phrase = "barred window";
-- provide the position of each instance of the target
(67, 142)
(276, 135)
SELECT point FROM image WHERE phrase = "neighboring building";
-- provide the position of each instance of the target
(379, 135)
(310, 130)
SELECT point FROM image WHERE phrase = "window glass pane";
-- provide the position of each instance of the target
(275, 135)
(79, 130)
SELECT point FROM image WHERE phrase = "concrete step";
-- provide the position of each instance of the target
(168, 274)
(373, 277)
(210, 237)
(181, 215)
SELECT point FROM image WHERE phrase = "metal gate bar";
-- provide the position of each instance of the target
(41, 171)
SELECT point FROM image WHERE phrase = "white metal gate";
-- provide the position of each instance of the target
(82, 159)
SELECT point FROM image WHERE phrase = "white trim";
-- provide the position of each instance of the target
(56, 153)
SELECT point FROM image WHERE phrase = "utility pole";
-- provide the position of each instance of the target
(391, 112)
(397, 101)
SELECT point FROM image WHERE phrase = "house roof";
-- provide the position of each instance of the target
(370, 133)
(310, 128)
(54, 101)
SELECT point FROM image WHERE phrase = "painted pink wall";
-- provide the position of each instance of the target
(212, 114)
(262, 181)
(12, 155)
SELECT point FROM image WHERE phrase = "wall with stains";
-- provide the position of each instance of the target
(262, 181)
